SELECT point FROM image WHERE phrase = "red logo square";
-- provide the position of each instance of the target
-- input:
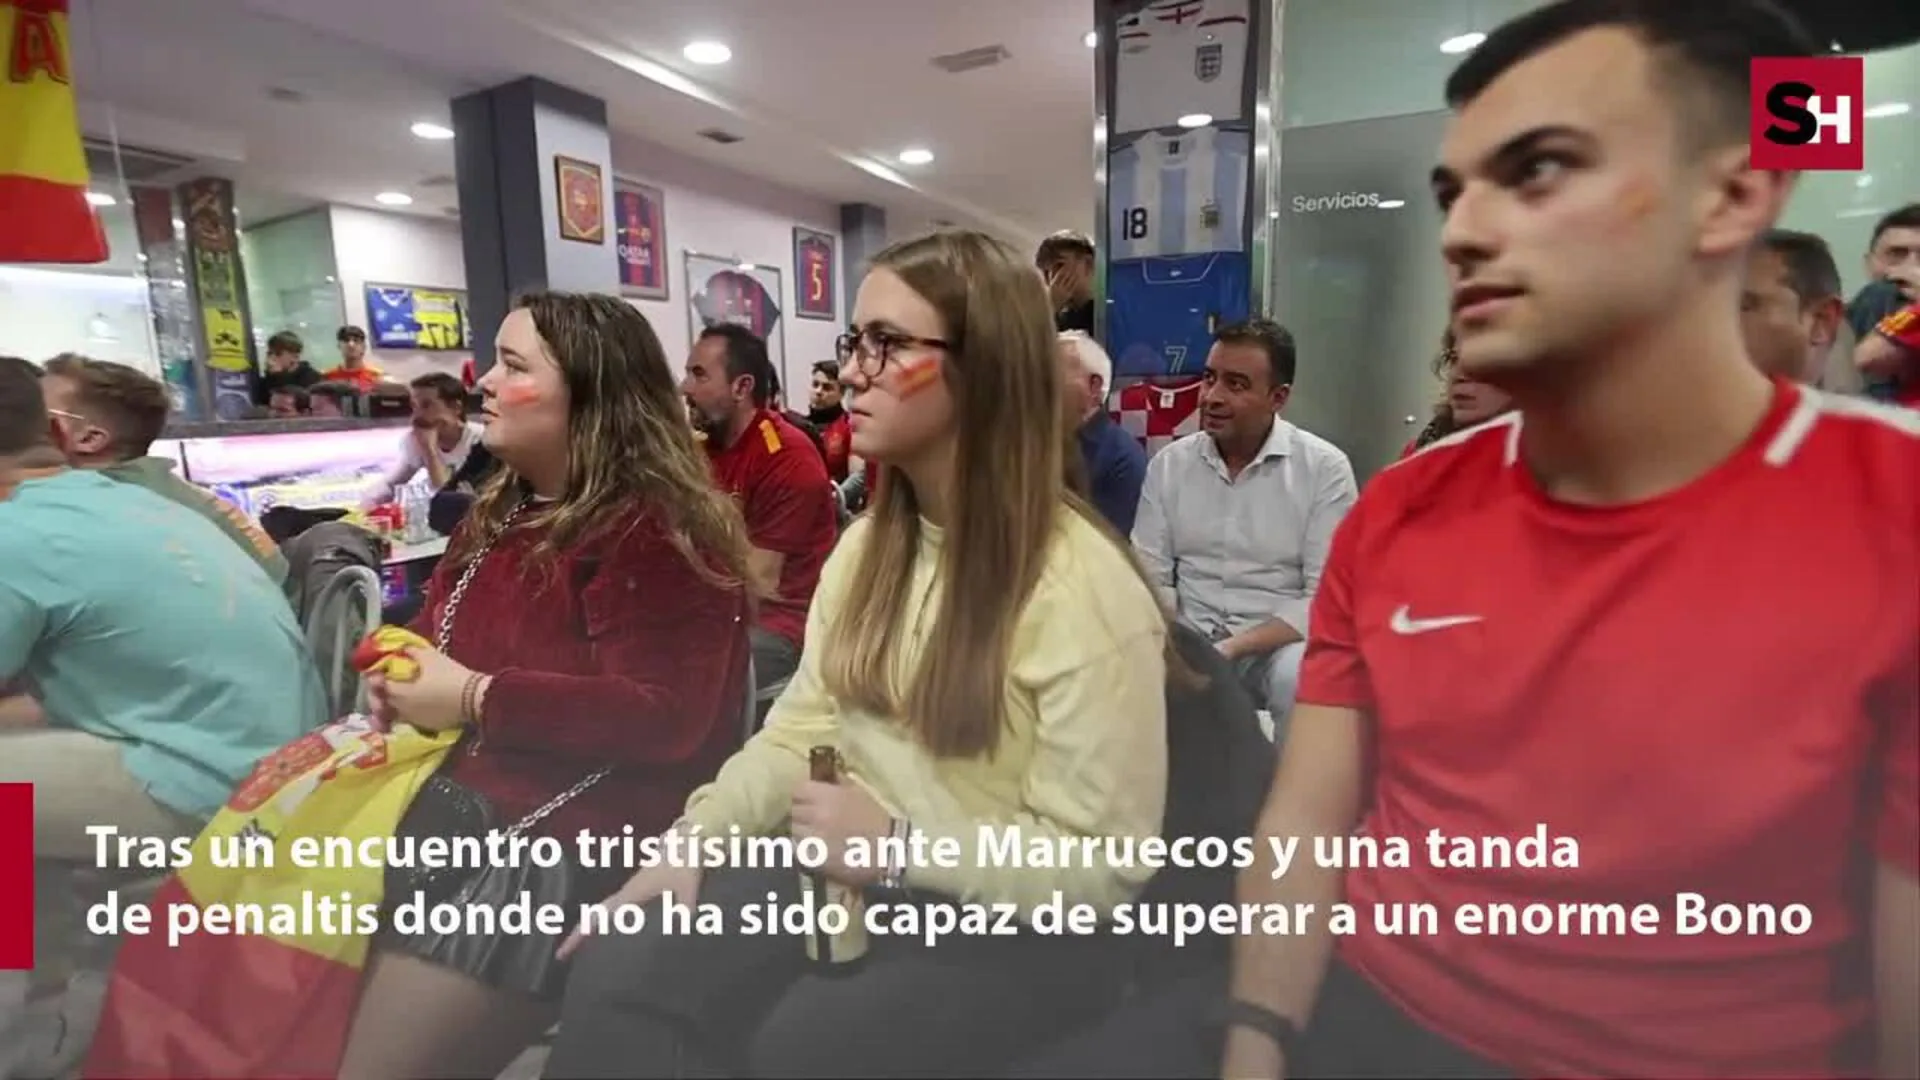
(16, 877)
(1808, 113)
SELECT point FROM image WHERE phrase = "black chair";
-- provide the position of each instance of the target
(1219, 767)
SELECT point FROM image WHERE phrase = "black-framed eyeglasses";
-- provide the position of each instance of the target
(875, 347)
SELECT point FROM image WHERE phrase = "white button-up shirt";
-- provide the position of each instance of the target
(1231, 553)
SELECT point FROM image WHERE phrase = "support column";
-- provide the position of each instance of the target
(169, 306)
(1177, 259)
(863, 234)
(534, 166)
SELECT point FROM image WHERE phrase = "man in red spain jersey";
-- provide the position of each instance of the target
(778, 477)
(1667, 610)
(1892, 353)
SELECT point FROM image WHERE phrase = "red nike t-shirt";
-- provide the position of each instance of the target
(788, 501)
(1713, 692)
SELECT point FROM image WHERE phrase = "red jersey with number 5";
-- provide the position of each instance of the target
(1713, 692)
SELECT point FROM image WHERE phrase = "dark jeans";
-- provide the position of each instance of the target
(775, 659)
(660, 1005)
(1170, 1032)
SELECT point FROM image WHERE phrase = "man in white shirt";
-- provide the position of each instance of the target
(1235, 520)
(440, 441)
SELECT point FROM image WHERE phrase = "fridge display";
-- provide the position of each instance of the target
(309, 469)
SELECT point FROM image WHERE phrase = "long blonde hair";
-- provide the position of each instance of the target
(630, 447)
(1011, 465)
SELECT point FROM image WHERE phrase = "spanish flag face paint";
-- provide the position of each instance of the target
(44, 214)
(516, 395)
(914, 374)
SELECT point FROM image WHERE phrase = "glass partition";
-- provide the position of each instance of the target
(292, 283)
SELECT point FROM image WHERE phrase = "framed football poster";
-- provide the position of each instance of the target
(582, 209)
(729, 290)
(640, 239)
(814, 294)
(418, 319)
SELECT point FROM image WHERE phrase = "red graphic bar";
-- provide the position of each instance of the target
(16, 877)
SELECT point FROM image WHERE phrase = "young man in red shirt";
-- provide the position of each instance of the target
(779, 478)
(1892, 352)
(827, 410)
(1668, 609)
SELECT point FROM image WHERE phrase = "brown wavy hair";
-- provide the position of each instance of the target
(630, 448)
(1016, 471)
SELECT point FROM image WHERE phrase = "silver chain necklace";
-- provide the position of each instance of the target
(445, 643)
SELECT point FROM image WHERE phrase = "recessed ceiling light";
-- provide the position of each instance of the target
(426, 129)
(1195, 120)
(100, 198)
(1092, 39)
(1863, 180)
(707, 52)
(1462, 42)
(916, 156)
(393, 198)
(1891, 108)
(1392, 204)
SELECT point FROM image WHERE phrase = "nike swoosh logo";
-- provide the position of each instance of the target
(1403, 622)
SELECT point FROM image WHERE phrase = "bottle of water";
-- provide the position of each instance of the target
(417, 531)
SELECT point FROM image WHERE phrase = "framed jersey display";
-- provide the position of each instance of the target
(1183, 194)
(1177, 58)
(1162, 312)
(640, 239)
(727, 290)
(814, 294)
(420, 320)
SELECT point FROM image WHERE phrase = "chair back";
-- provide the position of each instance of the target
(1219, 767)
(346, 609)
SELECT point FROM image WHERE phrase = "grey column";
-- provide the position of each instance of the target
(509, 138)
(863, 234)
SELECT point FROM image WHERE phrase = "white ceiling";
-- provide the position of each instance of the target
(822, 92)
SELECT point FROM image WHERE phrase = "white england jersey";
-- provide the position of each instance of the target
(1180, 194)
(1179, 57)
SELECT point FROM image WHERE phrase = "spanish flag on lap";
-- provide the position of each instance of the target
(44, 214)
(266, 982)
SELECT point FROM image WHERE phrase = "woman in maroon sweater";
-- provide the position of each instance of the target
(591, 623)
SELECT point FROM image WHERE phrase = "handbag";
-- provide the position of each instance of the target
(447, 808)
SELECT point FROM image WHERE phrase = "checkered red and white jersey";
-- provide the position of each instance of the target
(1158, 411)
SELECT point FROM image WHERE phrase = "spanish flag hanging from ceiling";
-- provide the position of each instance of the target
(44, 214)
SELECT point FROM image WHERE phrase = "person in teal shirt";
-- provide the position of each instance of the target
(146, 664)
(140, 630)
